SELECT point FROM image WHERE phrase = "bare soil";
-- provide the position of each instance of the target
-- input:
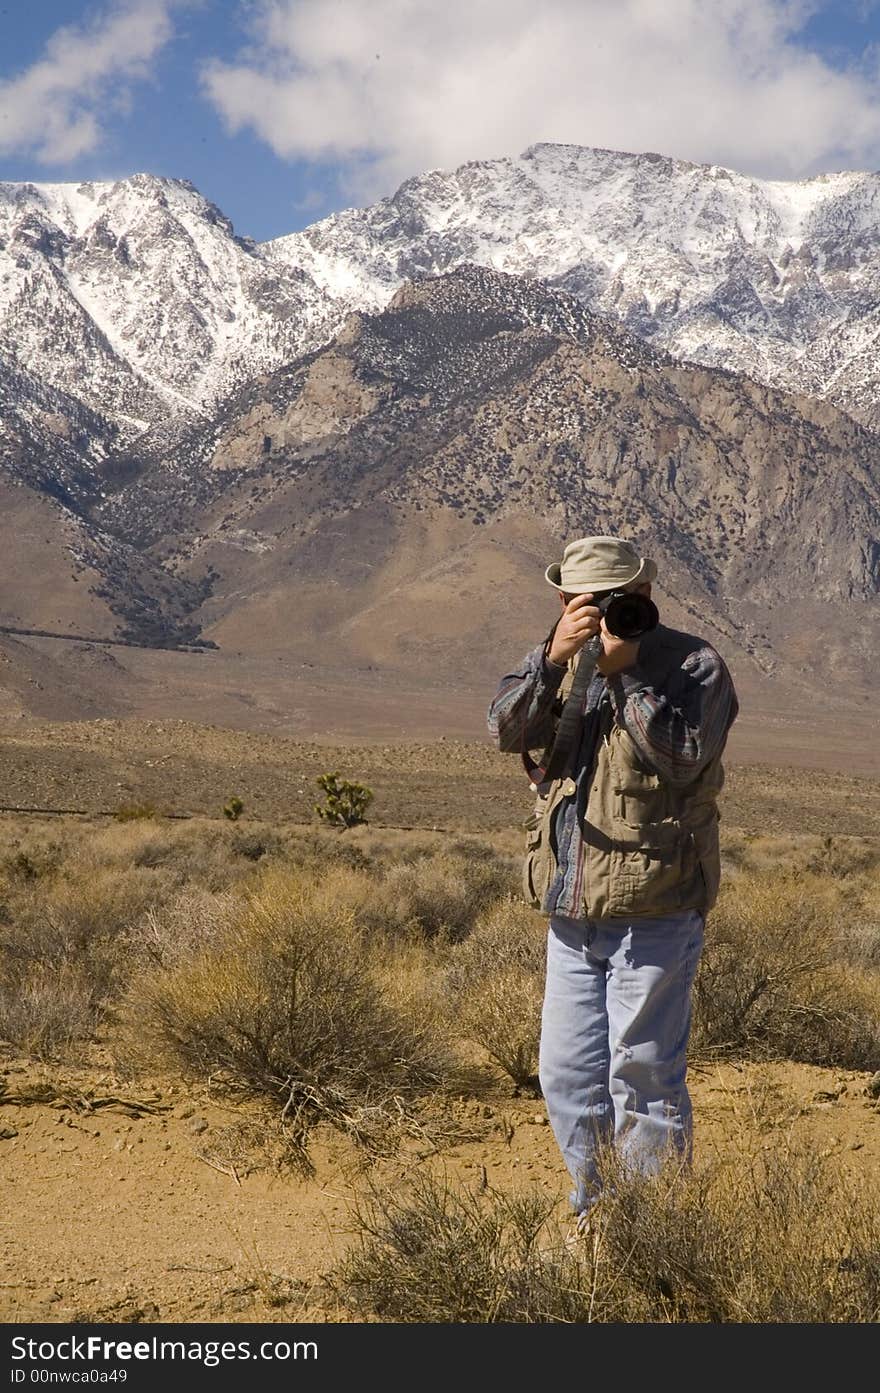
(181, 768)
(144, 1218)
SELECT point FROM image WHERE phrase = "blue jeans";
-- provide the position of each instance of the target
(614, 1033)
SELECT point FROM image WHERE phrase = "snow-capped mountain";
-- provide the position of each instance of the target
(137, 298)
(779, 280)
(389, 502)
(193, 427)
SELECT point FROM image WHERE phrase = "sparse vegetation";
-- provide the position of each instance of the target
(791, 967)
(441, 893)
(135, 812)
(768, 1238)
(776, 978)
(495, 983)
(284, 999)
(64, 953)
(345, 802)
(388, 985)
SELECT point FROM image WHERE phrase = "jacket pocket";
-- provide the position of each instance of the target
(647, 881)
(534, 872)
(639, 794)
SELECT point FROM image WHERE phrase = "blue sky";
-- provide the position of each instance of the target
(282, 111)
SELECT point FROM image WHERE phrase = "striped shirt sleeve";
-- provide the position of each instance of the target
(521, 713)
(678, 729)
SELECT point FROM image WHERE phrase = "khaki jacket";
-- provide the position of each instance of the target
(650, 846)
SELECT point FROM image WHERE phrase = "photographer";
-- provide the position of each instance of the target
(622, 852)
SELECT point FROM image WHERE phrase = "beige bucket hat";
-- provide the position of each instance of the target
(599, 563)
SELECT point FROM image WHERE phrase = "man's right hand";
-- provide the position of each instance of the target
(579, 623)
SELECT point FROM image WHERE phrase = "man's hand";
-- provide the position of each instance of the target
(579, 622)
(617, 653)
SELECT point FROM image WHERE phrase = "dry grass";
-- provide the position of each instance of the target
(773, 1238)
(85, 907)
(777, 978)
(495, 984)
(212, 855)
(290, 1000)
(836, 857)
(64, 948)
(791, 967)
(443, 893)
(189, 923)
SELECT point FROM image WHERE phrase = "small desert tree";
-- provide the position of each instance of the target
(344, 802)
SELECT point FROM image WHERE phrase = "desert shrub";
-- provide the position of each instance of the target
(64, 953)
(843, 858)
(233, 808)
(434, 1254)
(65, 918)
(774, 982)
(120, 845)
(188, 924)
(46, 1010)
(860, 947)
(860, 920)
(287, 1002)
(779, 1236)
(33, 861)
(209, 855)
(253, 846)
(196, 918)
(774, 1239)
(444, 893)
(315, 850)
(834, 858)
(152, 852)
(380, 914)
(495, 983)
(401, 891)
(475, 849)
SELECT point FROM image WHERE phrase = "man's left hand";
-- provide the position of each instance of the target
(617, 653)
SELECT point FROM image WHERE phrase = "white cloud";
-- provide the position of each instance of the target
(389, 88)
(58, 107)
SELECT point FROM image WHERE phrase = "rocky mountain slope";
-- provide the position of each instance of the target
(359, 445)
(395, 497)
(779, 280)
(138, 300)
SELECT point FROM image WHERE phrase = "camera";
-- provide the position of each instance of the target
(627, 615)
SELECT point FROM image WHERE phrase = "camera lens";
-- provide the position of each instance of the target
(630, 616)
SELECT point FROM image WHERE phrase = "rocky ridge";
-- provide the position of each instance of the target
(195, 427)
(426, 440)
(777, 280)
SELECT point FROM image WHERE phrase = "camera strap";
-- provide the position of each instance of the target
(556, 757)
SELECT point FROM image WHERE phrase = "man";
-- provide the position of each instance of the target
(625, 860)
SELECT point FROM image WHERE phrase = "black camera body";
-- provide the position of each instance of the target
(627, 614)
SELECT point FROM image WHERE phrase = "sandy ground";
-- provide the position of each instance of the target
(127, 1218)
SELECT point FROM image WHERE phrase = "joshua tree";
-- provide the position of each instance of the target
(344, 803)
